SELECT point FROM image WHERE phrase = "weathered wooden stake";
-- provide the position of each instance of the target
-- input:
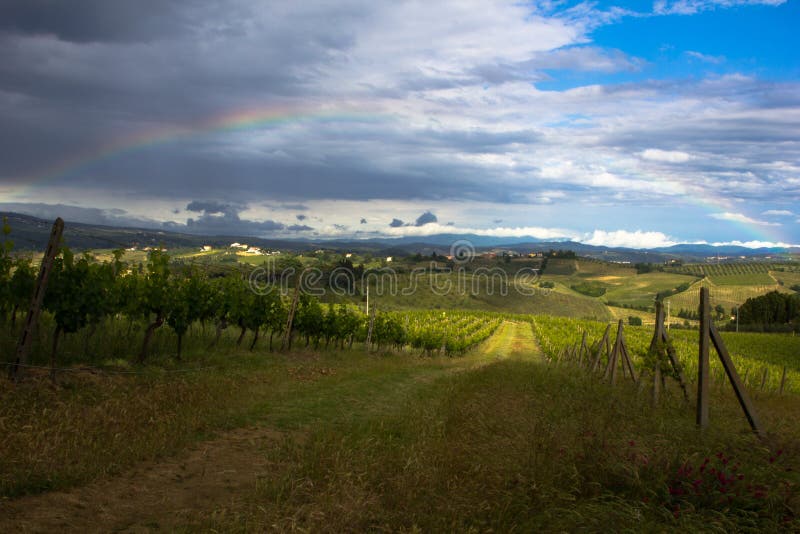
(673, 358)
(32, 320)
(620, 351)
(764, 378)
(286, 344)
(703, 369)
(584, 349)
(656, 382)
(733, 376)
(601, 346)
(783, 381)
(371, 326)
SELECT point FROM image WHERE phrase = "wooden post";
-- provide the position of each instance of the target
(656, 382)
(616, 353)
(286, 344)
(584, 349)
(32, 320)
(783, 381)
(703, 369)
(733, 376)
(627, 359)
(371, 325)
(764, 378)
(600, 347)
(673, 358)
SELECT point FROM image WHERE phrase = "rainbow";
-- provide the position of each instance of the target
(262, 118)
(239, 120)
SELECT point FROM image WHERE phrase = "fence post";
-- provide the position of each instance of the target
(370, 327)
(783, 380)
(733, 376)
(32, 320)
(287, 335)
(703, 363)
(764, 378)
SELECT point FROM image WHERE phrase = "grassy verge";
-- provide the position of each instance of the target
(496, 440)
(91, 425)
(521, 446)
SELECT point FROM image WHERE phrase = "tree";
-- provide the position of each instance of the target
(20, 287)
(309, 318)
(774, 308)
(189, 297)
(154, 296)
(69, 297)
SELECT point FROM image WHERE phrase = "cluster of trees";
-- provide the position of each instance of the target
(590, 289)
(773, 311)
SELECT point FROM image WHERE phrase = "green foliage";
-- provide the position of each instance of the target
(590, 289)
(154, 295)
(774, 308)
(634, 320)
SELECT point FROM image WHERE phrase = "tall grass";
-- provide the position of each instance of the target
(521, 446)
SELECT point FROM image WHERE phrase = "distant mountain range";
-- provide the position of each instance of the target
(31, 233)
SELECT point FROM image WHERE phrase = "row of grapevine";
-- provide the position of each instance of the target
(752, 353)
(453, 332)
(726, 269)
(86, 295)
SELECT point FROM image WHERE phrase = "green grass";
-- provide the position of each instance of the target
(495, 440)
(640, 290)
(789, 278)
(514, 446)
(621, 283)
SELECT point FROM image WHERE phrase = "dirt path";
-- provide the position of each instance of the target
(152, 496)
(165, 495)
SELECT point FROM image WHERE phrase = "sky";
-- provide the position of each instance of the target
(617, 123)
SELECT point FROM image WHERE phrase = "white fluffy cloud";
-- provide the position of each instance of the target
(625, 238)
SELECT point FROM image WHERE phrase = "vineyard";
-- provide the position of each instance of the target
(757, 356)
(749, 273)
(116, 311)
(727, 296)
(247, 391)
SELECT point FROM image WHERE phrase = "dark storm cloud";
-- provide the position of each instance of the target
(212, 207)
(301, 217)
(396, 223)
(106, 217)
(430, 111)
(363, 221)
(94, 20)
(426, 218)
(218, 218)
